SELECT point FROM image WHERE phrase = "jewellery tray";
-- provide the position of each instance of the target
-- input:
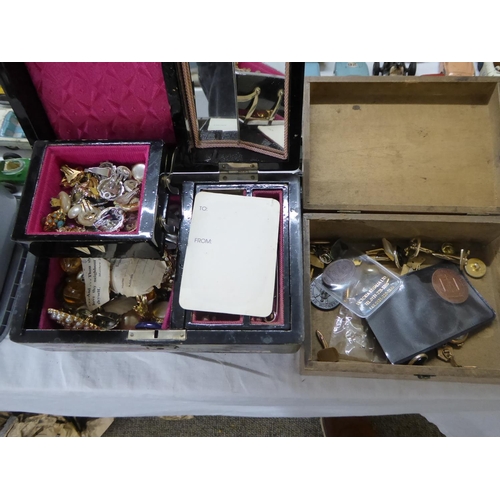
(82, 114)
(399, 158)
(175, 171)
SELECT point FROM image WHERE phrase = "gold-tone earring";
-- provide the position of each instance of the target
(54, 220)
(71, 176)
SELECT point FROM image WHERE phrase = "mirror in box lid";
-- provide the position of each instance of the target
(238, 105)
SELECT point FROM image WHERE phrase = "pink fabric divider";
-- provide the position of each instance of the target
(83, 156)
(50, 300)
(104, 100)
(275, 194)
(221, 319)
(166, 321)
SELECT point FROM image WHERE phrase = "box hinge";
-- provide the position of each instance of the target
(151, 335)
(238, 172)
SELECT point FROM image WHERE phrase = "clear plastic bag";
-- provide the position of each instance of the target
(357, 281)
(352, 336)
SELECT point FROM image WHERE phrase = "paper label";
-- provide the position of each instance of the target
(96, 275)
(132, 277)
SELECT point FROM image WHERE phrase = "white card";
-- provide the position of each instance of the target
(231, 255)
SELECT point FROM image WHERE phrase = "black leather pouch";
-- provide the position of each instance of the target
(434, 306)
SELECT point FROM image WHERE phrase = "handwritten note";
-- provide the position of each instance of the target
(96, 274)
(131, 277)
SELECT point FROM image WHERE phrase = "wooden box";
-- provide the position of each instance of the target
(401, 158)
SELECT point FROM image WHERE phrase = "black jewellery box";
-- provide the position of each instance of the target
(157, 115)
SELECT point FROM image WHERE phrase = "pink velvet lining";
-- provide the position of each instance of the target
(104, 100)
(54, 277)
(221, 319)
(166, 321)
(279, 304)
(49, 182)
(50, 300)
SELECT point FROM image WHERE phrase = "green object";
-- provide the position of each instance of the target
(14, 170)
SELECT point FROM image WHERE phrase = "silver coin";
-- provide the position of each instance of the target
(339, 273)
(320, 297)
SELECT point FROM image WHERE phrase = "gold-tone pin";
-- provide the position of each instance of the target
(419, 359)
(448, 249)
(445, 353)
(475, 268)
(71, 176)
(70, 321)
(315, 262)
(326, 353)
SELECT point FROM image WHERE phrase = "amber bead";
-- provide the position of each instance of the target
(74, 293)
(159, 309)
(71, 265)
(129, 320)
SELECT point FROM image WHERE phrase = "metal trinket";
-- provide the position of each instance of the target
(320, 297)
(110, 220)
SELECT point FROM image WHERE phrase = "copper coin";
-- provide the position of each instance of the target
(450, 286)
(339, 273)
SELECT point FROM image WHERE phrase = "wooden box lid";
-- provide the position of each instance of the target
(402, 144)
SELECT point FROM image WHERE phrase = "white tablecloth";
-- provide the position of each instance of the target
(254, 385)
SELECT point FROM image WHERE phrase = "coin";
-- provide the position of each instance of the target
(450, 286)
(475, 268)
(339, 273)
(321, 298)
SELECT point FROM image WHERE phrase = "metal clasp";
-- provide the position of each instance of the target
(172, 335)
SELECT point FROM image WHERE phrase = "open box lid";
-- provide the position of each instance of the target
(402, 144)
(238, 113)
(90, 101)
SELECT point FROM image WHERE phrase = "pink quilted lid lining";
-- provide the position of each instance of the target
(49, 183)
(116, 101)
